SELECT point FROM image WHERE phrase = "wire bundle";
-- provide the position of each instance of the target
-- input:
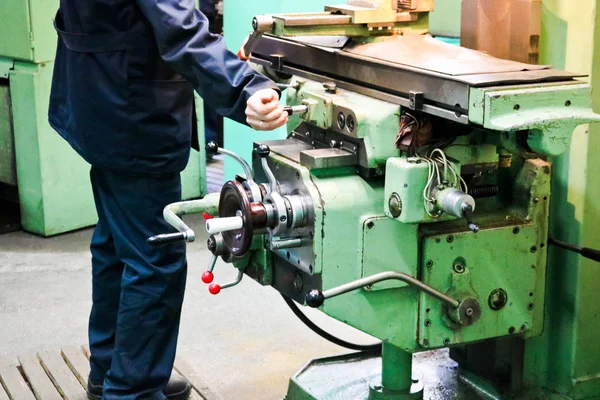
(441, 173)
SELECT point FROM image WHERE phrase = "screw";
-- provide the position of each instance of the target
(425, 343)
(446, 341)
(516, 230)
(438, 240)
(350, 123)
(568, 103)
(530, 306)
(428, 323)
(469, 312)
(517, 107)
(283, 218)
(370, 225)
(429, 264)
(536, 200)
(450, 239)
(458, 268)
(533, 249)
(333, 144)
(341, 120)
(511, 330)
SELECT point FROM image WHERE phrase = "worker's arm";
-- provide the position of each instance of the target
(226, 82)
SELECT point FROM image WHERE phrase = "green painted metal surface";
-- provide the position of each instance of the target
(8, 172)
(53, 182)
(565, 359)
(550, 112)
(6, 64)
(26, 29)
(445, 19)
(238, 20)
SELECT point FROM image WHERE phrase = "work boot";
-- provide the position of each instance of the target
(178, 388)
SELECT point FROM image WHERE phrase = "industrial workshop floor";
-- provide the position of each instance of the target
(245, 341)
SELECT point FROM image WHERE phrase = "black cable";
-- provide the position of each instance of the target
(372, 348)
(586, 252)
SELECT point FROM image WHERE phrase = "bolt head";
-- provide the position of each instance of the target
(331, 87)
(263, 151)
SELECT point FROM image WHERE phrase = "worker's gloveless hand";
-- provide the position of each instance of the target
(264, 112)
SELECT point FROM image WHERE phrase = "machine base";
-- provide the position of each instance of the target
(378, 392)
(354, 376)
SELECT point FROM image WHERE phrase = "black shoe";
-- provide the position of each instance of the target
(178, 388)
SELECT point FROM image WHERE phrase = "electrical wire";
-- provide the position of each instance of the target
(370, 348)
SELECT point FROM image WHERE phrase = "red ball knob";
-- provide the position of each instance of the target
(214, 288)
(207, 277)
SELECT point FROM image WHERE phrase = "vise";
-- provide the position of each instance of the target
(410, 199)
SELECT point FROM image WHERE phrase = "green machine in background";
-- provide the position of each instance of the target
(37, 168)
(413, 200)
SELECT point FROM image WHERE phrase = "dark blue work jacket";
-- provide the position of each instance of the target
(125, 72)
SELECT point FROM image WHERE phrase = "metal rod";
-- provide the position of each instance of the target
(173, 212)
(391, 275)
(286, 244)
(234, 282)
(243, 163)
(269, 174)
(212, 263)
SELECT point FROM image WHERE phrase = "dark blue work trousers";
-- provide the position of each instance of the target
(137, 289)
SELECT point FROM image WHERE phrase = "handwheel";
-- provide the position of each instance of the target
(235, 202)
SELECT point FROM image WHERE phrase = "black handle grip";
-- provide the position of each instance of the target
(315, 299)
(166, 238)
(592, 254)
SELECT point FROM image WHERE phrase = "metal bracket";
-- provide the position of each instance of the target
(6, 65)
(416, 100)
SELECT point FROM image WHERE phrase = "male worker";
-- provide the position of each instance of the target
(122, 97)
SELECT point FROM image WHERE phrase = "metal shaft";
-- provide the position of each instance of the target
(391, 275)
(396, 369)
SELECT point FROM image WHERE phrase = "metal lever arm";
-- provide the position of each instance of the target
(316, 298)
(173, 212)
(586, 252)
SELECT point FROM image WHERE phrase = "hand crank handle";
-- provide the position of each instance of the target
(316, 298)
(167, 238)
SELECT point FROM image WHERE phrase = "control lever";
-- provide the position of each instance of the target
(167, 238)
(464, 312)
(293, 110)
(468, 212)
(256, 195)
(315, 298)
(589, 253)
(215, 288)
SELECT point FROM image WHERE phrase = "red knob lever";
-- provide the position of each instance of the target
(208, 277)
(214, 289)
(206, 216)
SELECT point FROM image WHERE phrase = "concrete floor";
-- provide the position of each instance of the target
(245, 341)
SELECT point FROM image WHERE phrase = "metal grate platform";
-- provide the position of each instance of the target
(58, 375)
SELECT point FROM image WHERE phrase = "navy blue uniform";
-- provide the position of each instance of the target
(122, 96)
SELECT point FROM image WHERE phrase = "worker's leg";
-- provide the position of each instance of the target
(152, 287)
(107, 271)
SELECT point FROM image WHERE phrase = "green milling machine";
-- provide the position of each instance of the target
(410, 200)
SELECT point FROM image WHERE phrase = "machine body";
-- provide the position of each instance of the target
(411, 198)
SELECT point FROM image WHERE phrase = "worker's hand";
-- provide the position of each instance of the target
(264, 112)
